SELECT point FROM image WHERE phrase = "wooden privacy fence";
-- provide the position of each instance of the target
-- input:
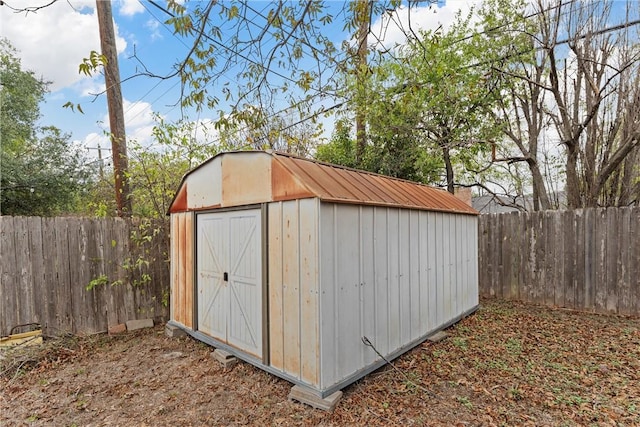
(587, 259)
(48, 263)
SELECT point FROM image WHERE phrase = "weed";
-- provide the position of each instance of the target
(515, 393)
(464, 329)
(514, 346)
(98, 281)
(32, 418)
(438, 353)
(465, 402)
(460, 342)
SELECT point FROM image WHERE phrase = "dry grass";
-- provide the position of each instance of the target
(509, 364)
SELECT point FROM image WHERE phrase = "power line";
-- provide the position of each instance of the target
(235, 52)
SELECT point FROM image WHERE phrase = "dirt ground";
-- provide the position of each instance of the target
(509, 364)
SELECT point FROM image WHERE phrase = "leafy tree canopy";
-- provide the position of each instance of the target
(41, 173)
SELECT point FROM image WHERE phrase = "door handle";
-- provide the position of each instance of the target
(225, 276)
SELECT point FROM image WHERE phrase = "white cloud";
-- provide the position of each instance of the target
(91, 86)
(138, 119)
(154, 28)
(130, 7)
(53, 41)
(92, 142)
(391, 28)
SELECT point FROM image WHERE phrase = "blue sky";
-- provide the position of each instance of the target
(53, 41)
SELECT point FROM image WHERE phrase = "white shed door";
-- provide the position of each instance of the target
(230, 278)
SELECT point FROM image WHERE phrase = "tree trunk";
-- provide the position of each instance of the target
(449, 168)
(573, 181)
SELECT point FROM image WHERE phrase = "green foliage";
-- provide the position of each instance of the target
(270, 53)
(42, 173)
(341, 150)
(137, 265)
(20, 98)
(155, 172)
(90, 65)
(98, 281)
(429, 106)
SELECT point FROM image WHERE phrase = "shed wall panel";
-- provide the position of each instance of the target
(309, 314)
(293, 289)
(367, 280)
(381, 274)
(347, 282)
(253, 187)
(391, 275)
(404, 275)
(276, 317)
(415, 294)
(182, 268)
(204, 187)
(393, 290)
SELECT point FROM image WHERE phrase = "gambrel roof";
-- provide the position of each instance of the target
(249, 177)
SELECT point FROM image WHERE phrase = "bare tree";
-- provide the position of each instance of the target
(581, 86)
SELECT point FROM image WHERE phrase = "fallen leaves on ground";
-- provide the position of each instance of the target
(509, 364)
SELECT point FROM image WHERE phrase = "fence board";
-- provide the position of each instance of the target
(587, 259)
(47, 263)
(569, 258)
(38, 295)
(8, 266)
(623, 264)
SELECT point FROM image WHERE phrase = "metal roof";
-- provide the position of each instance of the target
(294, 177)
(345, 185)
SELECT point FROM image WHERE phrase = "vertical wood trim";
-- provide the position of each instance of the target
(190, 236)
(276, 313)
(264, 248)
(309, 315)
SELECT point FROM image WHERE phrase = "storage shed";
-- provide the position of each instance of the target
(288, 263)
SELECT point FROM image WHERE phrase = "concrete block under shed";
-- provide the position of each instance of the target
(172, 331)
(225, 358)
(132, 325)
(438, 336)
(308, 397)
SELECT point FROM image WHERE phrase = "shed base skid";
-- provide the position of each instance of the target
(173, 331)
(437, 337)
(224, 357)
(308, 397)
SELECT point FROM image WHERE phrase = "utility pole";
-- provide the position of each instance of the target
(363, 18)
(101, 164)
(116, 113)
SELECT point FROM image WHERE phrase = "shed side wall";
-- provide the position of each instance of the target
(293, 289)
(391, 275)
(182, 268)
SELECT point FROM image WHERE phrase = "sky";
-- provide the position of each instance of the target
(53, 41)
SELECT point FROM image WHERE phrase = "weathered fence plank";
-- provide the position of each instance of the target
(47, 264)
(9, 266)
(587, 259)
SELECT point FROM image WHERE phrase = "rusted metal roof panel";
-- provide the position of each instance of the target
(344, 185)
(239, 178)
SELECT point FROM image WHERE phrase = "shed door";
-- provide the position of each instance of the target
(229, 264)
